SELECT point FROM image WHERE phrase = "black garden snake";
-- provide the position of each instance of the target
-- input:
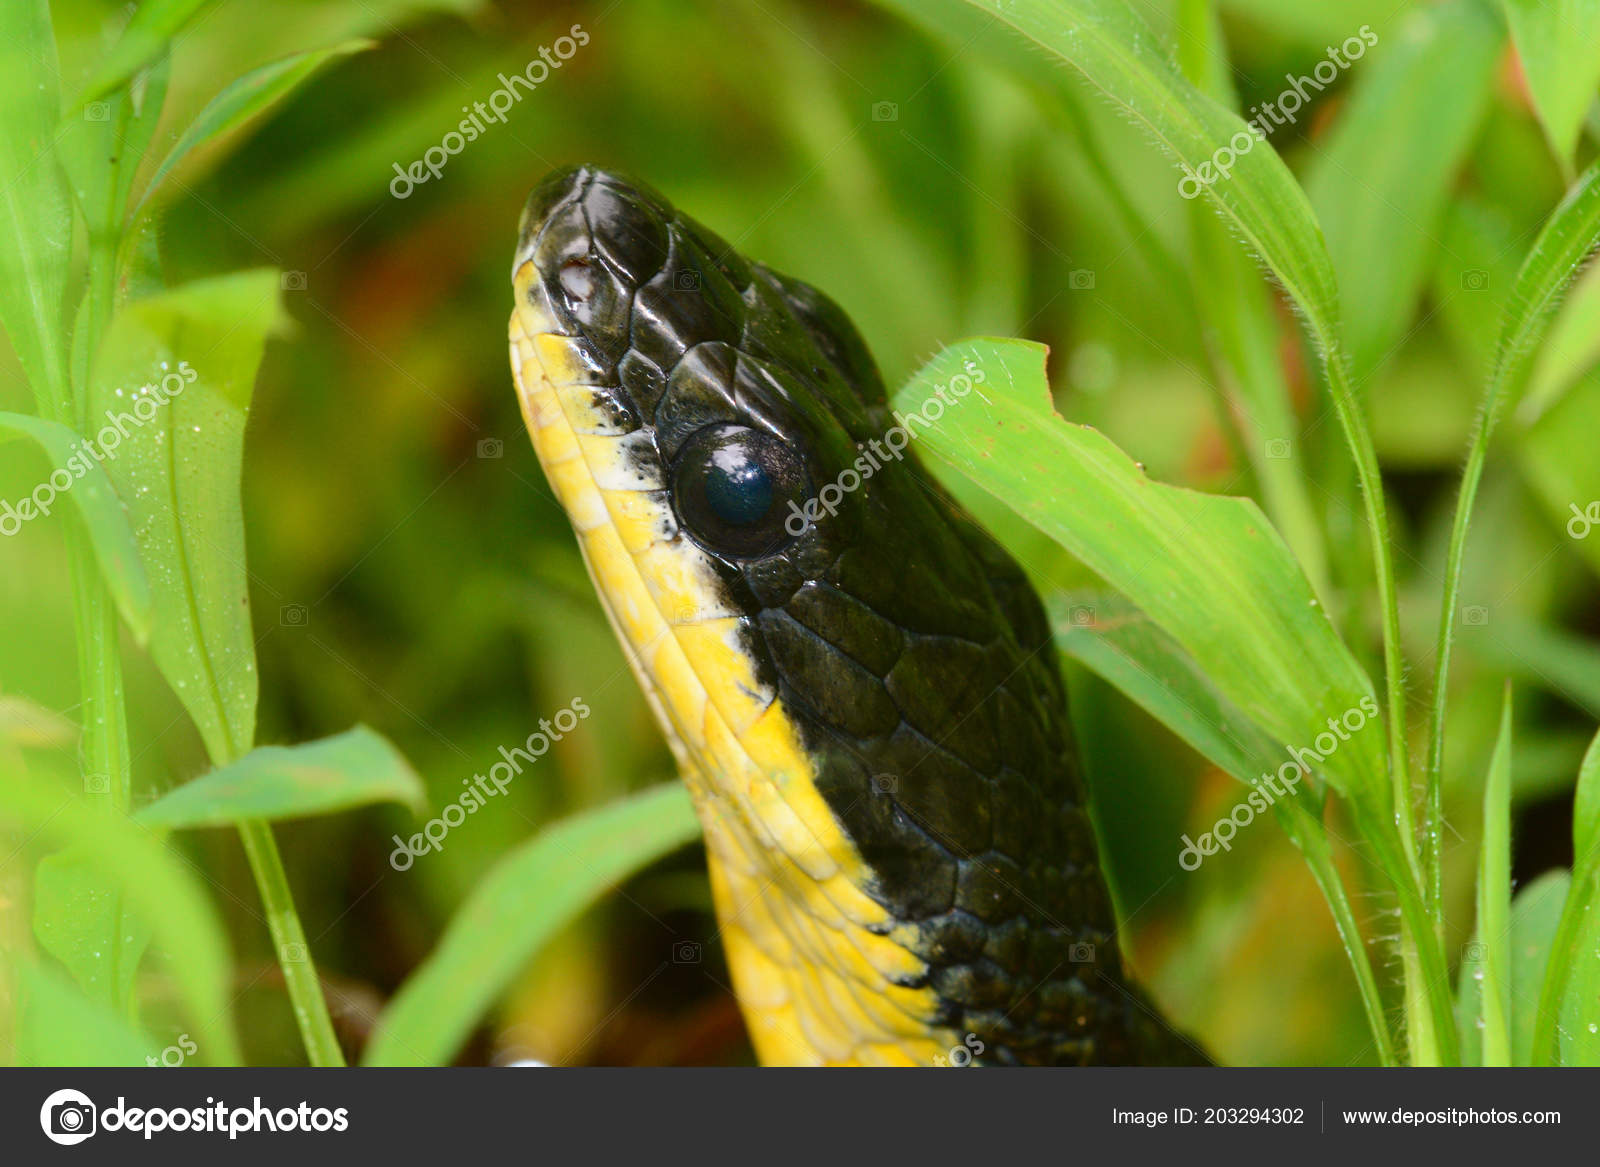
(868, 713)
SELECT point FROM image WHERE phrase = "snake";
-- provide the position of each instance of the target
(862, 698)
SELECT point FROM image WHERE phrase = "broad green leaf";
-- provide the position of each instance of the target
(58, 1026)
(35, 208)
(526, 899)
(148, 34)
(247, 97)
(1494, 899)
(156, 886)
(1571, 983)
(178, 470)
(356, 768)
(89, 490)
(1556, 40)
(1381, 181)
(82, 920)
(1208, 570)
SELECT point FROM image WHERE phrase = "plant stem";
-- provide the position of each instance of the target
(289, 939)
(1308, 835)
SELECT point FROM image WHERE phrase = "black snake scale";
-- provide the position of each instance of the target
(907, 649)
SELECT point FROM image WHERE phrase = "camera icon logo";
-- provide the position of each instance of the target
(1279, 448)
(96, 784)
(97, 111)
(293, 953)
(1083, 616)
(885, 784)
(293, 615)
(686, 952)
(1081, 280)
(1475, 615)
(686, 281)
(1081, 953)
(67, 1117)
(885, 111)
(293, 281)
(491, 448)
(1475, 280)
(1477, 950)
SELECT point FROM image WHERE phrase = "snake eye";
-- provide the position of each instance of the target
(733, 488)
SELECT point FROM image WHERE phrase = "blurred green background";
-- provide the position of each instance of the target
(411, 570)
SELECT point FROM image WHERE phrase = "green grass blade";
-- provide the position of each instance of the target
(1556, 41)
(95, 499)
(148, 34)
(1381, 179)
(356, 768)
(1568, 237)
(526, 899)
(35, 207)
(249, 96)
(1494, 899)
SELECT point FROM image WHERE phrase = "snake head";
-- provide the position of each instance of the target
(857, 681)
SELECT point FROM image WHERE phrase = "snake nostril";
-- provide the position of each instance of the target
(577, 279)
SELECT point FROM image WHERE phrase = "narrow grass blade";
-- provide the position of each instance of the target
(356, 768)
(526, 899)
(150, 31)
(1494, 899)
(35, 207)
(249, 96)
(1566, 241)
